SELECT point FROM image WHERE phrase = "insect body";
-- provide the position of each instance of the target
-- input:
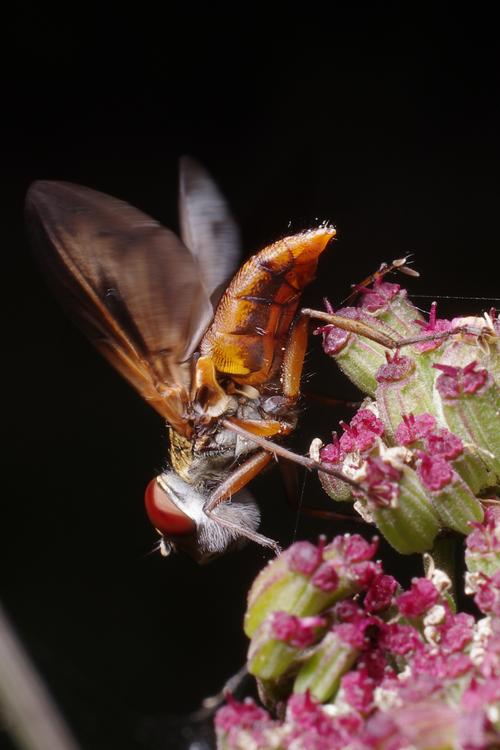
(207, 363)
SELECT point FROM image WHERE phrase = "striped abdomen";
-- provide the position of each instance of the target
(253, 318)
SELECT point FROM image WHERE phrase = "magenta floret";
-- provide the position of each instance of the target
(421, 597)
(354, 632)
(334, 338)
(358, 549)
(352, 548)
(310, 727)
(434, 471)
(241, 715)
(456, 632)
(347, 610)
(362, 432)
(440, 667)
(326, 577)
(401, 639)
(455, 381)
(378, 296)
(379, 595)
(381, 731)
(304, 557)
(484, 538)
(414, 428)
(299, 632)
(444, 443)
(396, 368)
(487, 595)
(382, 480)
(475, 730)
(332, 453)
(433, 325)
(358, 690)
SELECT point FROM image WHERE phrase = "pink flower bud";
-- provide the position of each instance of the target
(311, 728)
(487, 595)
(347, 611)
(355, 633)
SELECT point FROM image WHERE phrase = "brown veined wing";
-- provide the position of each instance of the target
(133, 287)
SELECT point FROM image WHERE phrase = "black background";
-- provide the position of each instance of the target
(385, 125)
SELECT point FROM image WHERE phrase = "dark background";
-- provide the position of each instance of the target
(385, 125)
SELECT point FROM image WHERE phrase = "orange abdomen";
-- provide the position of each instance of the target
(253, 318)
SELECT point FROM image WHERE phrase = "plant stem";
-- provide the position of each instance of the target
(29, 713)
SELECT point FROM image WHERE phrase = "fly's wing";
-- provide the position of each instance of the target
(207, 227)
(130, 283)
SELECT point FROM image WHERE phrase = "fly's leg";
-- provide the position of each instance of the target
(400, 264)
(238, 479)
(293, 359)
(293, 363)
(279, 451)
(365, 329)
(374, 334)
(354, 326)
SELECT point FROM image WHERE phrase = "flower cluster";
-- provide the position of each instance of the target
(425, 446)
(348, 660)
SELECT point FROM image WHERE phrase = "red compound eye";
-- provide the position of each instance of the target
(163, 514)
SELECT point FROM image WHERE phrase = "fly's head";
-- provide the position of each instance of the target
(176, 510)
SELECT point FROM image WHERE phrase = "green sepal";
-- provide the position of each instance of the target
(322, 671)
(413, 525)
(456, 506)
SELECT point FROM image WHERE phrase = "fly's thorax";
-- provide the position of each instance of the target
(206, 459)
(180, 453)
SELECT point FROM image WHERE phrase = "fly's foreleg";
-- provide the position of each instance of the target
(238, 479)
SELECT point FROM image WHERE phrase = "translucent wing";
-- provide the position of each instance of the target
(131, 284)
(207, 227)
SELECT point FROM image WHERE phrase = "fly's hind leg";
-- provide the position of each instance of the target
(293, 359)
